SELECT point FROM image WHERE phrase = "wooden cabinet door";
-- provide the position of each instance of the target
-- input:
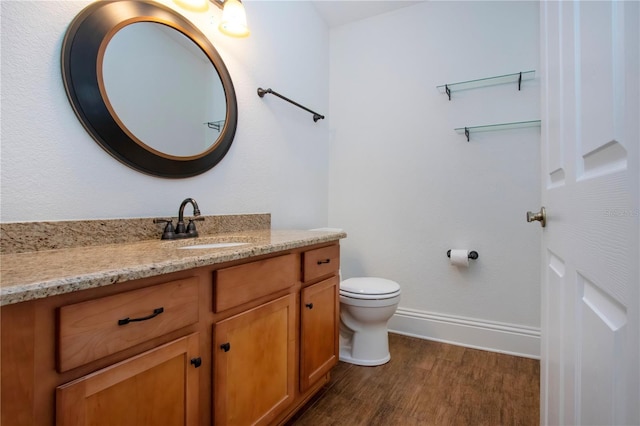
(254, 364)
(157, 387)
(320, 304)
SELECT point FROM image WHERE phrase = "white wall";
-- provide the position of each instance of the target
(400, 181)
(407, 188)
(51, 169)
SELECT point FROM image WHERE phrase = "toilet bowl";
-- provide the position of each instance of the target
(366, 305)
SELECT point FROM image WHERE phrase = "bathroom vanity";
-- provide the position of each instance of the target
(149, 333)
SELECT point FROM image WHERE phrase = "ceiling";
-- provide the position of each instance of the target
(340, 12)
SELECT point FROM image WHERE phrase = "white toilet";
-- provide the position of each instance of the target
(366, 305)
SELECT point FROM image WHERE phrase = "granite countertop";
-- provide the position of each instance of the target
(39, 274)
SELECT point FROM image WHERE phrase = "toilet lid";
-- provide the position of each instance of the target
(369, 286)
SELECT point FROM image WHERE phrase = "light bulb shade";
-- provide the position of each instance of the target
(234, 19)
(193, 5)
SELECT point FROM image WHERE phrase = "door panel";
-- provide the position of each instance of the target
(604, 320)
(157, 387)
(590, 296)
(254, 365)
(554, 344)
(320, 316)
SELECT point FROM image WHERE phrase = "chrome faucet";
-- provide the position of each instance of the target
(181, 230)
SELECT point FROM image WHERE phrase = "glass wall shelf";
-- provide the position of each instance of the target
(502, 126)
(517, 77)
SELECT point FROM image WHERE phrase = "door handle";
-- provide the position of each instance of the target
(540, 216)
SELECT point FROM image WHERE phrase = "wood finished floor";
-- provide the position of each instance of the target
(429, 383)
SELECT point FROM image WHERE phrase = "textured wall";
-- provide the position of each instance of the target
(400, 181)
(53, 170)
(406, 187)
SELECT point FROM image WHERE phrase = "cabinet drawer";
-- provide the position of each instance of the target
(321, 262)
(91, 330)
(244, 283)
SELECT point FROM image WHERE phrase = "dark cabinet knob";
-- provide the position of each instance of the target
(196, 362)
(309, 305)
(225, 346)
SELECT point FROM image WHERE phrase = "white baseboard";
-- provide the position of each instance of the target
(469, 332)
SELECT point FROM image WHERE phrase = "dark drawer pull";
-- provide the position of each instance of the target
(196, 362)
(155, 313)
(320, 262)
(225, 347)
(309, 305)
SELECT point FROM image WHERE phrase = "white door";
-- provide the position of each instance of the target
(590, 133)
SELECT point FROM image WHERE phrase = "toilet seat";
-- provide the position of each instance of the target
(369, 288)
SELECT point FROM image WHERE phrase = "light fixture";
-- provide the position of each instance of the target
(234, 19)
(193, 5)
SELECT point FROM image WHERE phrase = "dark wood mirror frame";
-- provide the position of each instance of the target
(82, 50)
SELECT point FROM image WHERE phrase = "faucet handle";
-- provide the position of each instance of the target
(169, 231)
(162, 219)
(191, 227)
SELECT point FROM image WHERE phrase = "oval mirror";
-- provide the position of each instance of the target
(149, 87)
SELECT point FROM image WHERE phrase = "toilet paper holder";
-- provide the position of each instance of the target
(472, 254)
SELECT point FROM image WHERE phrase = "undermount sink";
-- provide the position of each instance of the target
(212, 245)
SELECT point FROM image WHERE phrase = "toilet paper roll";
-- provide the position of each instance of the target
(460, 257)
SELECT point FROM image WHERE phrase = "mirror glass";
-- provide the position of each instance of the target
(163, 89)
(149, 87)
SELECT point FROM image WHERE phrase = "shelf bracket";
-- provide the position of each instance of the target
(466, 133)
(447, 90)
(215, 125)
(520, 81)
